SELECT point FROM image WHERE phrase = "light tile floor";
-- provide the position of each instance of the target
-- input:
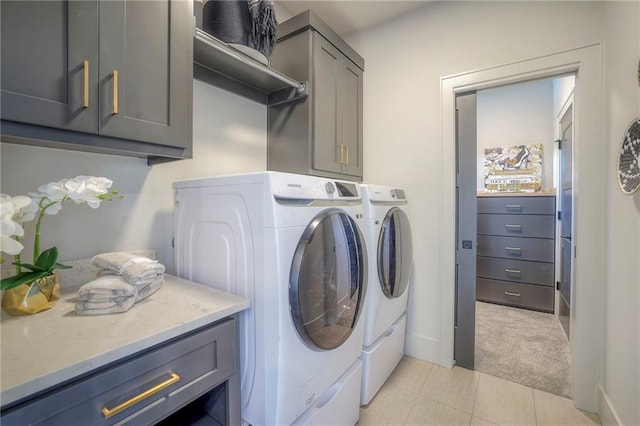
(421, 393)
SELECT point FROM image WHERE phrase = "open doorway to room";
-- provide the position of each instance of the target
(508, 135)
(587, 252)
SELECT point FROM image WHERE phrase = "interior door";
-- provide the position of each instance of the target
(466, 194)
(395, 253)
(566, 216)
(327, 280)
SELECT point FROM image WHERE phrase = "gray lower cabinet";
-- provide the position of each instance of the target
(118, 71)
(322, 134)
(193, 377)
(516, 251)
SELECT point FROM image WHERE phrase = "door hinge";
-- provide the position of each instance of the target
(557, 285)
(559, 215)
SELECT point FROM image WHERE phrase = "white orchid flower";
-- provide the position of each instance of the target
(87, 189)
(28, 212)
(10, 216)
(54, 191)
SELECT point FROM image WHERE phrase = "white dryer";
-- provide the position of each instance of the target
(292, 244)
(389, 243)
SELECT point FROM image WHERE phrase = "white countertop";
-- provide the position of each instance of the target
(42, 350)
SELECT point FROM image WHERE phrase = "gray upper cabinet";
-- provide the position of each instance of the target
(119, 71)
(50, 63)
(322, 133)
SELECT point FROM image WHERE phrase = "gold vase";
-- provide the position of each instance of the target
(31, 298)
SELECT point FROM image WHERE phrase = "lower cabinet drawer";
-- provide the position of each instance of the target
(141, 390)
(528, 296)
(537, 249)
(540, 273)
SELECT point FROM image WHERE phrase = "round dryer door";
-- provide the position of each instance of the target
(327, 280)
(395, 253)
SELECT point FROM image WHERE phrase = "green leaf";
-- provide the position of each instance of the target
(47, 259)
(61, 266)
(22, 278)
(29, 266)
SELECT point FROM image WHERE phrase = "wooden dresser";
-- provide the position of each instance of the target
(516, 251)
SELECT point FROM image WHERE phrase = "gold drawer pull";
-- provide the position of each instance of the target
(347, 160)
(85, 97)
(115, 92)
(107, 413)
(512, 271)
(514, 228)
(518, 249)
(514, 207)
(508, 293)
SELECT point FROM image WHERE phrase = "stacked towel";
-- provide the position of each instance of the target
(105, 295)
(137, 270)
(123, 280)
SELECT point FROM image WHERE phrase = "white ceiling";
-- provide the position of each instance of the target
(347, 16)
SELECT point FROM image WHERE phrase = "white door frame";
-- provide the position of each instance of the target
(589, 203)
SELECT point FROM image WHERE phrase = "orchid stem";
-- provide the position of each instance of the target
(36, 241)
(17, 258)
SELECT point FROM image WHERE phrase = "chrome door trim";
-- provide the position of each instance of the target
(403, 272)
(294, 280)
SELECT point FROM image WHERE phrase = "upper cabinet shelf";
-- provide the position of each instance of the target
(218, 63)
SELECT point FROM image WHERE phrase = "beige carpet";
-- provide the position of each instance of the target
(523, 346)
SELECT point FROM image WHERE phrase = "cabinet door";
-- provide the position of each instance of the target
(49, 59)
(146, 60)
(351, 115)
(328, 155)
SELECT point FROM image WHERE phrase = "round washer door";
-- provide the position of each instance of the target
(327, 280)
(395, 253)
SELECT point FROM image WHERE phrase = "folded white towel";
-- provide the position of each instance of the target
(147, 290)
(113, 310)
(105, 295)
(148, 278)
(106, 287)
(136, 270)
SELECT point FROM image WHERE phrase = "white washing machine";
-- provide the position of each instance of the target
(291, 244)
(389, 243)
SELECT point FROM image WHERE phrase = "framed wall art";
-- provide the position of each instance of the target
(516, 168)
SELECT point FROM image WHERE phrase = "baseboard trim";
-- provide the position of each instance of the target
(608, 415)
(422, 347)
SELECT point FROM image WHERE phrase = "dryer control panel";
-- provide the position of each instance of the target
(300, 187)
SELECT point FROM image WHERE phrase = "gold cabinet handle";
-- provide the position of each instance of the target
(512, 271)
(85, 97)
(115, 92)
(508, 293)
(341, 154)
(107, 413)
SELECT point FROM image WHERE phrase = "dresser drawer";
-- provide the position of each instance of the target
(540, 273)
(527, 296)
(143, 389)
(538, 249)
(517, 205)
(536, 226)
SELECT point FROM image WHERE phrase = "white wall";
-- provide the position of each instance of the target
(404, 62)
(229, 136)
(518, 114)
(622, 290)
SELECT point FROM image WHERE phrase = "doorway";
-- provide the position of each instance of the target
(588, 190)
(513, 288)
